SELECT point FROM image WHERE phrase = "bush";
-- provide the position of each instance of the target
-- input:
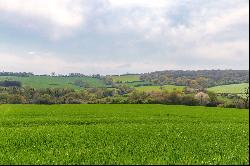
(189, 100)
(4, 98)
(239, 103)
(44, 99)
(139, 98)
(173, 98)
(16, 99)
(72, 100)
(213, 100)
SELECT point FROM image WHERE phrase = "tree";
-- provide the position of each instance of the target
(203, 82)
(246, 98)
(194, 84)
(173, 97)
(81, 83)
(213, 100)
(123, 89)
(53, 74)
(202, 97)
(108, 80)
(137, 97)
(189, 100)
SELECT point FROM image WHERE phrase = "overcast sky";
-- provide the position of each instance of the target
(120, 36)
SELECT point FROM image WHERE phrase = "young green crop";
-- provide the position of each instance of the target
(122, 134)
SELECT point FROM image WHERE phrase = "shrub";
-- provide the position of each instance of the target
(16, 99)
(173, 98)
(44, 99)
(4, 98)
(189, 100)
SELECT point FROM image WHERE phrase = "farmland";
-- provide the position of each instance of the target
(122, 134)
(160, 88)
(233, 88)
(54, 82)
(126, 78)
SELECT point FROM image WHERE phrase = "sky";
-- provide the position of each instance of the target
(123, 36)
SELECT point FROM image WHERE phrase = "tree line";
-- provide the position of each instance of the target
(17, 74)
(120, 95)
(197, 79)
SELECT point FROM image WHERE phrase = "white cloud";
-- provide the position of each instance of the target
(58, 17)
(31, 52)
(226, 51)
(140, 3)
(64, 13)
(174, 33)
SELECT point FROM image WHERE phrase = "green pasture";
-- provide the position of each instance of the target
(54, 82)
(126, 78)
(233, 88)
(169, 88)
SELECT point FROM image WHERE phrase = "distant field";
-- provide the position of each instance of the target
(123, 134)
(54, 82)
(233, 88)
(160, 88)
(126, 78)
(135, 84)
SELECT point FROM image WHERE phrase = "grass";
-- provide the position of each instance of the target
(233, 88)
(160, 88)
(137, 84)
(54, 82)
(126, 78)
(122, 134)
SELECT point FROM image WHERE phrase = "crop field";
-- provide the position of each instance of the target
(126, 78)
(53, 82)
(169, 88)
(123, 134)
(233, 88)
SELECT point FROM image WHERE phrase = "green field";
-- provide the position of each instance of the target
(233, 88)
(122, 134)
(169, 88)
(54, 82)
(126, 78)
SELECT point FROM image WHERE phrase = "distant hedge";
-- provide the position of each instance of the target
(10, 84)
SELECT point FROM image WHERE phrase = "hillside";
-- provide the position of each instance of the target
(55, 82)
(232, 88)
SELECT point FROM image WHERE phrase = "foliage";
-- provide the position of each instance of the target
(18, 74)
(203, 98)
(197, 79)
(120, 94)
(16, 99)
